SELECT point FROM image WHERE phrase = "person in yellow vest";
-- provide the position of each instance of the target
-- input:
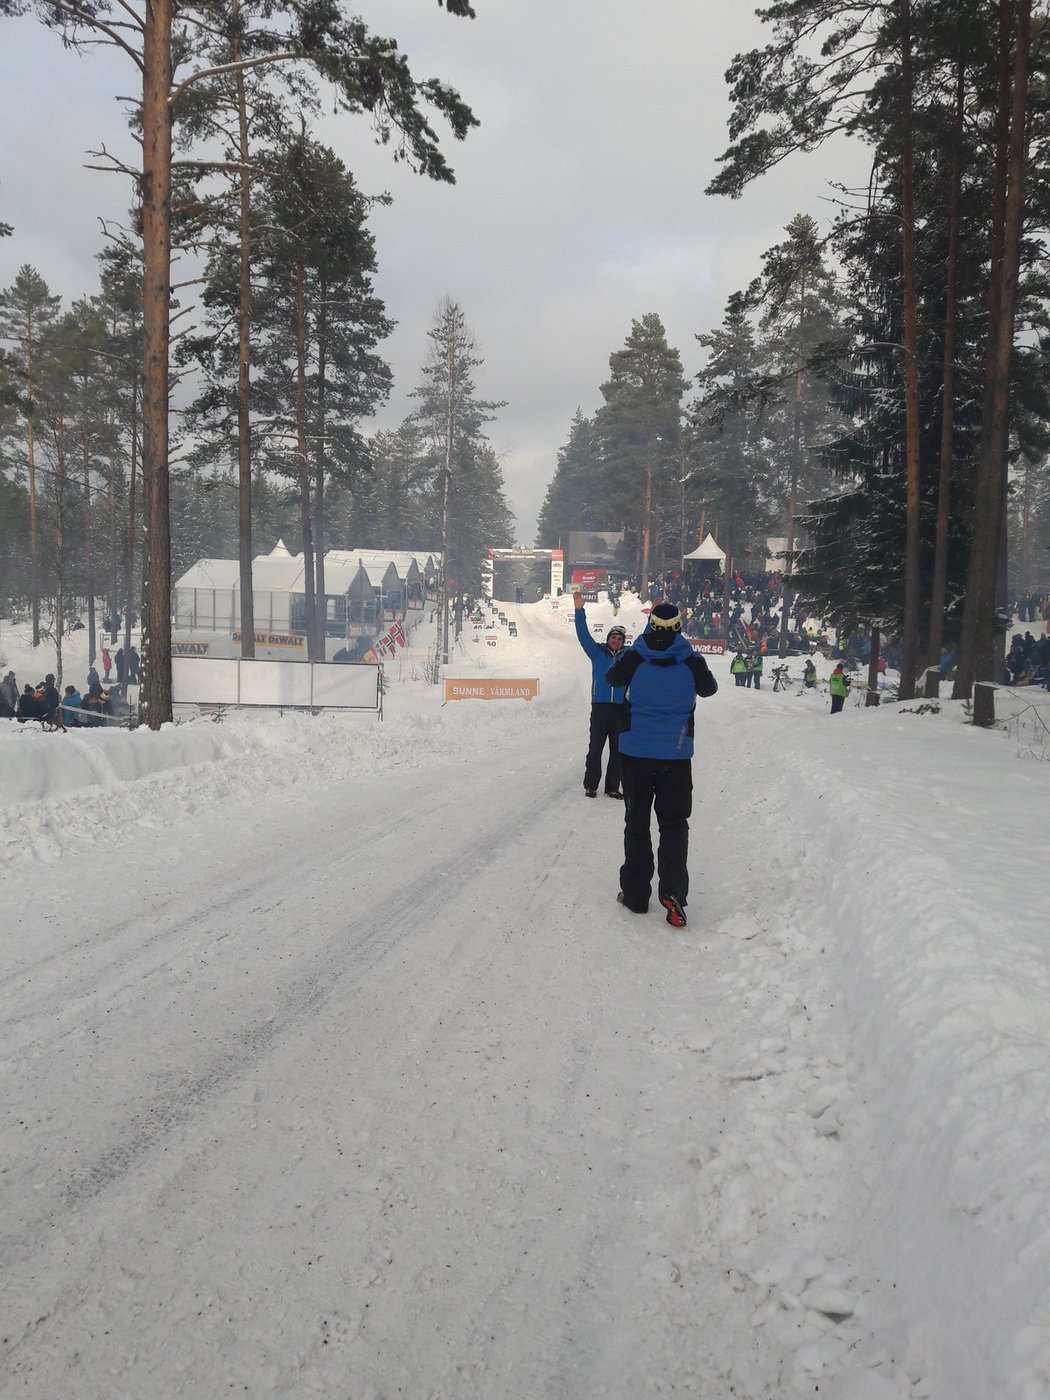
(809, 675)
(756, 669)
(739, 668)
(839, 687)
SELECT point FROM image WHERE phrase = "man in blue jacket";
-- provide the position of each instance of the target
(606, 705)
(663, 677)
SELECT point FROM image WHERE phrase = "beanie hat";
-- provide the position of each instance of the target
(665, 623)
(666, 615)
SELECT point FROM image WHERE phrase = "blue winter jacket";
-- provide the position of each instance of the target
(602, 693)
(662, 687)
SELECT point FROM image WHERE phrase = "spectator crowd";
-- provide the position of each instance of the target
(97, 705)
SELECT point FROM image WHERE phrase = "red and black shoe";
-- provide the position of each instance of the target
(675, 912)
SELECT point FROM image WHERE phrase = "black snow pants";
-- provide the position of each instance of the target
(667, 784)
(606, 723)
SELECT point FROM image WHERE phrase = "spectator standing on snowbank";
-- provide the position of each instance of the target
(8, 696)
(606, 704)
(839, 687)
(52, 702)
(663, 677)
(31, 705)
(71, 708)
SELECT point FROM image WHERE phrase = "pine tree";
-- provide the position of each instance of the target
(27, 311)
(452, 417)
(729, 416)
(799, 304)
(638, 428)
(368, 73)
(574, 499)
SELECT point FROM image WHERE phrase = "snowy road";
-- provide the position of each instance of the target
(370, 1089)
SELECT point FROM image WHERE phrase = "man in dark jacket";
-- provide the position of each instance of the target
(606, 705)
(9, 696)
(52, 702)
(663, 677)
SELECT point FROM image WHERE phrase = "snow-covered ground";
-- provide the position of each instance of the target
(331, 1068)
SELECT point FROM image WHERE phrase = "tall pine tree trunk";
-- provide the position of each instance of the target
(34, 545)
(156, 288)
(244, 352)
(319, 503)
(977, 646)
(129, 563)
(60, 558)
(446, 485)
(727, 583)
(310, 620)
(938, 596)
(910, 639)
(796, 467)
(88, 557)
(871, 696)
(112, 507)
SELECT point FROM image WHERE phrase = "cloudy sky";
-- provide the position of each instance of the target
(578, 207)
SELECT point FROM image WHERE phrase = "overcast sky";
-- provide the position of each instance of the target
(578, 207)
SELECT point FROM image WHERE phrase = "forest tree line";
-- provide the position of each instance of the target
(878, 395)
(223, 404)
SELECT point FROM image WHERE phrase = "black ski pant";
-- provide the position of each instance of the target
(666, 784)
(837, 702)
(606, 724)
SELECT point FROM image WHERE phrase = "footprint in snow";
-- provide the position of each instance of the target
(861, 1385)
(830, 1301)
(742, 926)
(660, 1270)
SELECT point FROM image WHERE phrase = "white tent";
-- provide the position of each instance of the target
(357, 583)
(708, 551)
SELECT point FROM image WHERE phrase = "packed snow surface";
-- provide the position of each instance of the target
(331, 1067)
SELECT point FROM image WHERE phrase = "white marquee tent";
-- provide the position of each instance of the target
(708, 552)
(358, 585)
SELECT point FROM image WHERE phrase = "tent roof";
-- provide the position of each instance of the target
(708, 549)
(211, 573)
(282, 572)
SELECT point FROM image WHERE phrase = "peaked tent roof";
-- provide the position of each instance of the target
(708, 549)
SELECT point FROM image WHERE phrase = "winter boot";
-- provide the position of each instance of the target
(675, 912)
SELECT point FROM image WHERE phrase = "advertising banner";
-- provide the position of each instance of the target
(708, 646)
(483, 689)
(588, 581)
(275, 639)
(557, 571)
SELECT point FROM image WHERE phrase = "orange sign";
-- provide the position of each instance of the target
(491, 690)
